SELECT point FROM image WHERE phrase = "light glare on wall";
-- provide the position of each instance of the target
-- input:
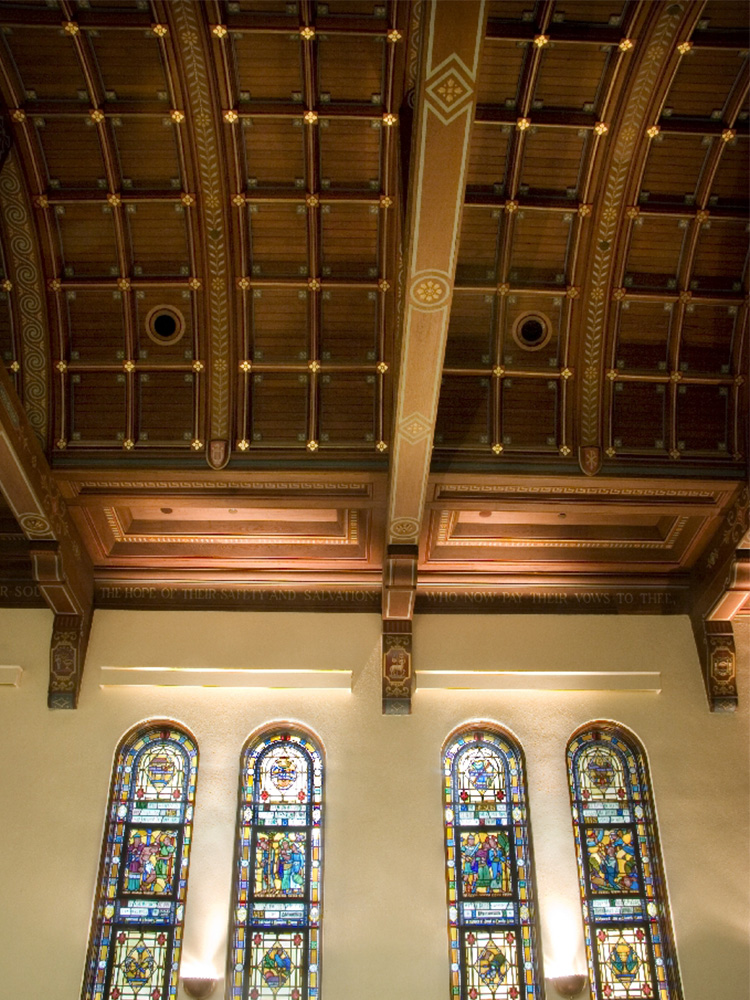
(564, 940)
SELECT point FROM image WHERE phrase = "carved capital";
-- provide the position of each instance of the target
(715, 641)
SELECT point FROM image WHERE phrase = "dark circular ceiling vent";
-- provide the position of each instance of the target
(531, 331)
(165, 325)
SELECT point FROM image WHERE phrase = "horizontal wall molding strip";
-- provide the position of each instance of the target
(539, 680)
(224, 678)
(10, 676)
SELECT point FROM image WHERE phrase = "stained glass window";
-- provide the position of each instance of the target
(136, 936)
(629, 940)
(491, 912)
(275, 950)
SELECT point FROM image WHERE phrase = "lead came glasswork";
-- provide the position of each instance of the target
(626, 917)
(491, 913)
(277, 911)
(137, 932)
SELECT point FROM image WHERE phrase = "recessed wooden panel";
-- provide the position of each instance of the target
(181, 301)
(159, 239)
(540, 248)
(730, 184)
(570, 77)
(702, 418)
(347, 410)
(279, 409)
(269, 67)
(348, 331)
(654, 255)
(661, 178)
(96, 325)
(350, 241)
(47, 63)
(130, 65)
(638, 420)
(279, 323)
(706, 343)
(165, 412)
(550, 311)
(643, 338)
(274, 153)
(87, 236)
(477, 248)
(542, 147)
(702, 82)
(278, 240)
(721, 254)
(529, 413)
(720, 15)
(97, 407)
(463, 419)
(599, 12)
(72, 153)
(487, 158)
(498, 73)
(147, 148)
(351, 69)
(339, 170)
(470, 330)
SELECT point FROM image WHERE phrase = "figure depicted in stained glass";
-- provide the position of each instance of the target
(629, 944)
(135, 949)
(275, 944)
(611, 857)
(491, 910)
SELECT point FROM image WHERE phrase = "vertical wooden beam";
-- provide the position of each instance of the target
(446, 98)
(62, 568)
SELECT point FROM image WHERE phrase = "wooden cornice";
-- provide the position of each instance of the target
(61, 565)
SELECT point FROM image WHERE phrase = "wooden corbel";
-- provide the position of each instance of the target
(61, 565)
(399, 591)
(721, 588)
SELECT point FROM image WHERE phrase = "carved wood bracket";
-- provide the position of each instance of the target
(62, 567)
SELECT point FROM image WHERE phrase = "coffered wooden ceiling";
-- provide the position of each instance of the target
(357, 304)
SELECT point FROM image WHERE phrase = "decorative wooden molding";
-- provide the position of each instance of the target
(539, 680)
(26, 291)
(70, 636)
(453, 35)
(398, 674)
(10, 676)
(225, 678)
(191, 54)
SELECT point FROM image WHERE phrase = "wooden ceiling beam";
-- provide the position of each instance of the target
(61, 566)
(446, 94)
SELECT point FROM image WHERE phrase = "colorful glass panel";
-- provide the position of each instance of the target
(626, 916)
(277, 908)
(137, 932)
(491, 912)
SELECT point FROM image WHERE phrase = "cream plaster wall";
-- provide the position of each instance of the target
(384, 889)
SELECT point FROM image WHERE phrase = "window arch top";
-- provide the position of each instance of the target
(629, 942)
(491, 910)
(137, 930)
(277, 910)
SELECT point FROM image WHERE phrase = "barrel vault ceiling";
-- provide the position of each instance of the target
(376, 305)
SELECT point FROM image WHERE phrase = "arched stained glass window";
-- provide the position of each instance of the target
(629, 940)
(491, 912)
(134, 952)
(275, 951)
